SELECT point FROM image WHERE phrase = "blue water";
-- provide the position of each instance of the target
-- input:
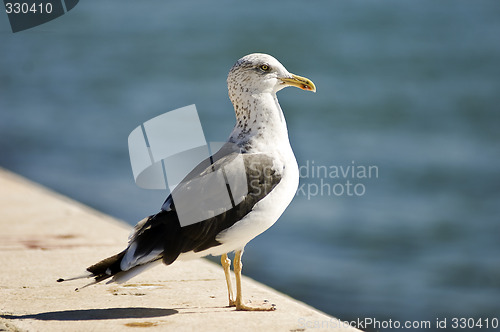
(411, 88)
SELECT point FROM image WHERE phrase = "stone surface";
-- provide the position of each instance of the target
(46, 236)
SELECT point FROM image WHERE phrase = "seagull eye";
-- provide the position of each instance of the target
(264, 67)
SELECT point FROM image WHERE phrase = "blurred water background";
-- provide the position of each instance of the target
(410, 87)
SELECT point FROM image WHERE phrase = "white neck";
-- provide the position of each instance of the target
(259, 120)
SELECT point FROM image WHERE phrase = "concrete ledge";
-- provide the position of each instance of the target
(46, 236)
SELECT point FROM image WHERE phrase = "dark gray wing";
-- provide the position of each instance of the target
(248, 178)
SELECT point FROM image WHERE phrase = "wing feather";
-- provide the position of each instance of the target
(162, 236)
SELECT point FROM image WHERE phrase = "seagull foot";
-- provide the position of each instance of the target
(263, 306)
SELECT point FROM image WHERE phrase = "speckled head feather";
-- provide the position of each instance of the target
(252, 85)
(256, 73)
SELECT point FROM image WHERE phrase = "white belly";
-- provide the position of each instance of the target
(264, 214)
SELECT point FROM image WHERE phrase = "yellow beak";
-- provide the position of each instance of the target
(299, 82)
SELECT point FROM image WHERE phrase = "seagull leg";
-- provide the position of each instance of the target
(264, 306)
(226, 264)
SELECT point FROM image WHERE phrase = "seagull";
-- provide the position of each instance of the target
(258, 151)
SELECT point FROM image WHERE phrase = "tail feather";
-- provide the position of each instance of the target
(107, 267)
(82, 276)
(124, 276)
(145, 250)
(103, 270)
(110, 267)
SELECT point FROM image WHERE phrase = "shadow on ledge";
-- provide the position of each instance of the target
(97, 314)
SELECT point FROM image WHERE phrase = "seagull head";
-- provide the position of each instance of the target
(261, 73)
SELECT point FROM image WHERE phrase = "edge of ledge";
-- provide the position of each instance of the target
(48, 235)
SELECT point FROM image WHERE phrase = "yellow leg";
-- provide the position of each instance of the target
(226, 264)
(264, 306)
